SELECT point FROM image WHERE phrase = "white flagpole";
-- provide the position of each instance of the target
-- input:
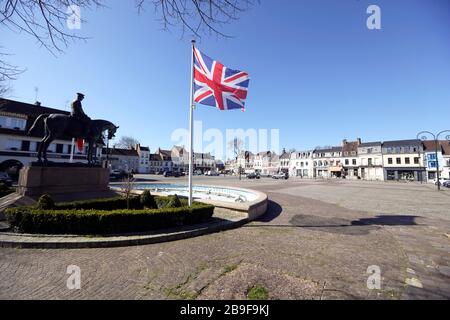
(191, 125)
(71, 150)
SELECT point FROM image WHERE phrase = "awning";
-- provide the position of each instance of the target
(335, 169)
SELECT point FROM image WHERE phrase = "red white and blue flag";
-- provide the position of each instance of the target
(218, 86)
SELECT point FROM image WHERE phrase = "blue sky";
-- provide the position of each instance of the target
(317, 73)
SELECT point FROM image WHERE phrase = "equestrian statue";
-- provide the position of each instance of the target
(76, 125)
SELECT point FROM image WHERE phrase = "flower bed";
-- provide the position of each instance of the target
(107, 216)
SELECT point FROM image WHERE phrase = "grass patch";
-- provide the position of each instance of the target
(258, 292)
(230, 268)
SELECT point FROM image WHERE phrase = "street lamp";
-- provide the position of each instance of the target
(423, 137)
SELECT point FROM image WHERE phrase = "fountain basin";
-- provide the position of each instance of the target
(239, 200)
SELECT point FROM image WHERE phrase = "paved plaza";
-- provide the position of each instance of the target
(317, 241)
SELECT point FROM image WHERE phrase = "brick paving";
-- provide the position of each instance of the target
(316, 242)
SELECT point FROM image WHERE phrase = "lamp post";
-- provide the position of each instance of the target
(423, 137)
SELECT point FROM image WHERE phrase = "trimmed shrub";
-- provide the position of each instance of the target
(174, 202)
(101, 204)
(45, 202)
(147, 200)
(106, 216)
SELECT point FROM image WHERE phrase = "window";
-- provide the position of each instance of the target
(346, 162)
(354, 162)
(369, 161)
(13, 144)
(398, 160)
(12, 123)
(389, 160)
(407, 160)
(33, 146)
(416, 160)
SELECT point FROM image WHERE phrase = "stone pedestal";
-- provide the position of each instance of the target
(35, 181)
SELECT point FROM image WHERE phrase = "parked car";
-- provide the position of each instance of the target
(176, 174)
(253, 175)
(119, 174)
(160, 172)
(281, 175)
(442, 181)
(446, 183)
(168, 174)
(5, 179)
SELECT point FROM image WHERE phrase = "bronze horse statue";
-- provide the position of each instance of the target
(61, 125)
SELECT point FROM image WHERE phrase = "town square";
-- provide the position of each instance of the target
(200, 152)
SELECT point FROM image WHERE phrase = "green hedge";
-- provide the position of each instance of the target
(96, 217)
(118, 203)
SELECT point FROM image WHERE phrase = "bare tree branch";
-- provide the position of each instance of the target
(126, 142)
(46, 20)
(198, 16)
(8, 72)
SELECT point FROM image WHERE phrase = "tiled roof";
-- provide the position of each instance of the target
(370, 144)
(30, 112)
(445, 147)
(330, 149)
(430, 145)
(155, 157)
(285, 155)
(350, 146)
(27, 109)
(401, 143)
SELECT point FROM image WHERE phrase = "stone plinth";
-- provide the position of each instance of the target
(35, 181)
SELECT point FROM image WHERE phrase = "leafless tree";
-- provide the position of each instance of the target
(8, 72)
(197, 16)
(46, 20)
(237, 147)
(127, 188)
(126, 142)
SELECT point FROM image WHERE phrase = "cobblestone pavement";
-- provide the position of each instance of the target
(317, 241)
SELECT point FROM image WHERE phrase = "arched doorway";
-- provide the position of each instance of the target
(12, 168)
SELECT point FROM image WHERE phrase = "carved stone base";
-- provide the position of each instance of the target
(35, 181)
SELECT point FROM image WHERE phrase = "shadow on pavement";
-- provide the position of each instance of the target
(338, 225)
(273, 211)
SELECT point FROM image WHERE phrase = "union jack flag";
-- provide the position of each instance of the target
(218, 86)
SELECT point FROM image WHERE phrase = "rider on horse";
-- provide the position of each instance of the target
(78, 114)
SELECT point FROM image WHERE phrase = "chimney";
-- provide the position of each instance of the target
(344, 142)
(359, 141)
(37, 103)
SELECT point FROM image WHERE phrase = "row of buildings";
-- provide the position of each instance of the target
(388, 160)
(18, 148)
(413, 160)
